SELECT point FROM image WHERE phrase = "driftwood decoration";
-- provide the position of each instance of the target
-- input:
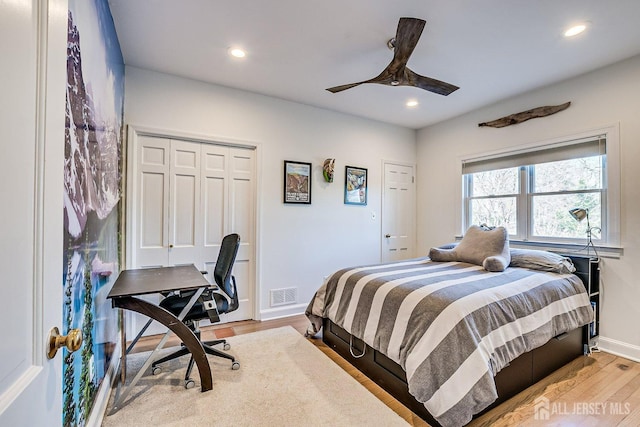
(526, 115)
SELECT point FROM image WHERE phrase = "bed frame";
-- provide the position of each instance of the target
(521, 373)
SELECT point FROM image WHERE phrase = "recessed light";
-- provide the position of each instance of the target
(412, 103)
(575, 30)
(238, 53)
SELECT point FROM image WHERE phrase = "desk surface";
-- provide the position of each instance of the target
(153, 280)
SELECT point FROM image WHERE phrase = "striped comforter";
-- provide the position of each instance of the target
(451, 326)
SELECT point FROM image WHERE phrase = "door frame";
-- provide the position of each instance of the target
(130, 181)
(382, 203)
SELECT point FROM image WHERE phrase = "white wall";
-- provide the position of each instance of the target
(607, 96)
(298, 244)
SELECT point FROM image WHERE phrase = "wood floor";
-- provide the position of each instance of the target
(601, 390)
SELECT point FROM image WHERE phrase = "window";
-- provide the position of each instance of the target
(531, 190)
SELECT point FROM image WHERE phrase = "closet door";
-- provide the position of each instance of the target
(185, 215)
(169, 218)
(228, 195)
(151, 225)
(242, 217)
(215, 199)
(187, 196)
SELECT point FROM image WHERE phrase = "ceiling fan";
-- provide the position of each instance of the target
(397, 73)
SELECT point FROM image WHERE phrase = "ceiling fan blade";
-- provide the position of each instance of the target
(336, 89)
(396, 73)
(407, 36)
(427, 83)
(384, 78)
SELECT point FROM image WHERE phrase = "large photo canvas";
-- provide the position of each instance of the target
(92, 184)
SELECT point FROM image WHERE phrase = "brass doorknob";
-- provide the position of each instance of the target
(73, 341)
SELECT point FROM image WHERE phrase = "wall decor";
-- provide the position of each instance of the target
(297, 182)
(523, 116)
(327, 169)
(92, 208)
(355, 186)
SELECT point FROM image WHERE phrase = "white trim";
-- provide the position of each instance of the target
(18, 387)
(610, 130)
(135, 131)
(414, 220)
(280, 312)
(189, 136)
(42, 131)
(619, 348)
(101, 400)
(611, 133)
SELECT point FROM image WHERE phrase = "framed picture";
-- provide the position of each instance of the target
(355, 186)
(297, 182)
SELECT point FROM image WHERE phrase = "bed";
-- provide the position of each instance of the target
(450, 339)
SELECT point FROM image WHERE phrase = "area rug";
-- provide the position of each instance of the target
(283, 380)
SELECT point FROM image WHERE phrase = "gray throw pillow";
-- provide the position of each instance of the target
(479, 246)
(541, 260)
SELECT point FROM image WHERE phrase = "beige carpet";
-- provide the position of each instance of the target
(284, 380)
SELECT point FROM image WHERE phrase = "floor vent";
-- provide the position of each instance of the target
(284, 296)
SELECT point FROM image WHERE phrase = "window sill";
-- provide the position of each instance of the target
(569, 248)
(566, 248)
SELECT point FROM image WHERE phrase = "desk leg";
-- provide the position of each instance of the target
(123, 346)
(177, 327)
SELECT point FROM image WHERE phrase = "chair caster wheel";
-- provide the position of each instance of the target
(226, 346)
(189, 384)
(235, 366)
(156, 370)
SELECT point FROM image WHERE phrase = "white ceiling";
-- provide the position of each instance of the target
(492, 49)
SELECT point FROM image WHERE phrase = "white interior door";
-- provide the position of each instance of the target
(151, 232)
(398, 212)
(228, 206)
(185, 217)
(188, 196)
(241, 212)
(168, 221)
(32, 46)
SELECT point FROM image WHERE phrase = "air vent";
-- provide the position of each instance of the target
(283, 296)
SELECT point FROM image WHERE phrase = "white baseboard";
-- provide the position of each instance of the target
(619, 348)
(104, 391)
(277, 313)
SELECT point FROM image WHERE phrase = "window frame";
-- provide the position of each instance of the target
(610, 192)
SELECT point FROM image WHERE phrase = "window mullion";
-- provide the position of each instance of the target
(524, 204)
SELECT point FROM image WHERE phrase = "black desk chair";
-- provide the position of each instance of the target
(214, 301)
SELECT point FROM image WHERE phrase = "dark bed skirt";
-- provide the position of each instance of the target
(521, 373)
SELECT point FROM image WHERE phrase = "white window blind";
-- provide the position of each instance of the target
(550, 153)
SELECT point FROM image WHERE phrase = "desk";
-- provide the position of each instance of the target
(133, 283)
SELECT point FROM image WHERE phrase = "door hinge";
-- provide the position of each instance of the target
(412, 179)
